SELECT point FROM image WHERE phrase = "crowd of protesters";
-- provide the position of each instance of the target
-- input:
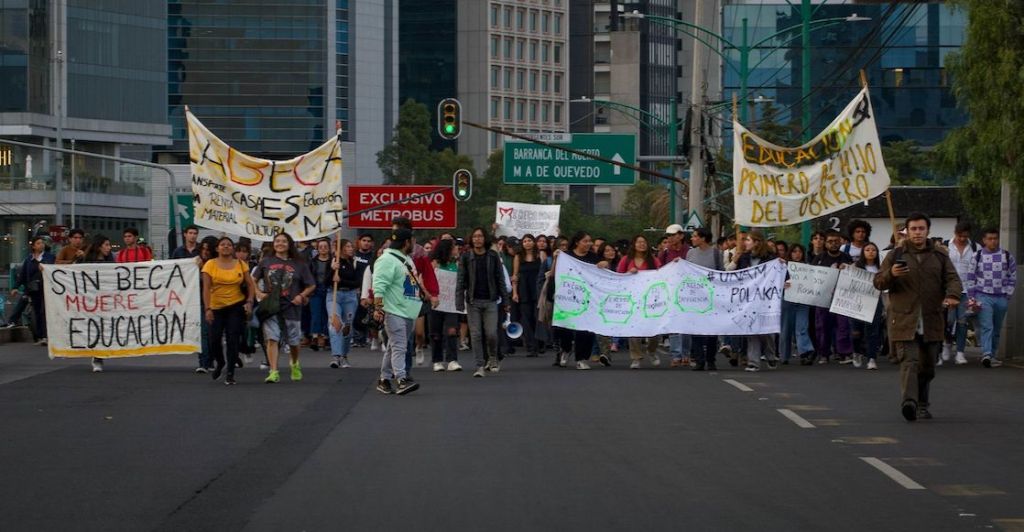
(334, 295)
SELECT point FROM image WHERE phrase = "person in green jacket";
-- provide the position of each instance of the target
(397, 302)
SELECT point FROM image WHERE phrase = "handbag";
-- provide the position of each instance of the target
(269, 306)
(34, 286)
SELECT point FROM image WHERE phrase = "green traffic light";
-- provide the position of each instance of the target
(462, 192)
(449, 128)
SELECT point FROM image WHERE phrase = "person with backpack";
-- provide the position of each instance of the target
(991, 283)
(922, 285)
(397, 301)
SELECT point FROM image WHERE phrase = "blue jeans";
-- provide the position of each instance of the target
(993, 311)
(795, 319)
(679, 346)
(318, 311)
(957, 321)
(345, 308)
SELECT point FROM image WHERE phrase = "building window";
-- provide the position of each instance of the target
(520, 111)
(508, 48)
(545, 113)
(544, 53)
(558, 54)
(558, 84)
(602, 203)
(495, 73)
(558, 113)
(545, 82)
(533, 81)
(521, 80)
(494, 47)
(520, 19)
(558, 23)
(494, 16)
(494, 141)
(494, 108)
(533, 21)
(508, 109)
(508, 17)
(508, 79)
(533, 111)
(520, 46)
(545, 22)
(533, 51)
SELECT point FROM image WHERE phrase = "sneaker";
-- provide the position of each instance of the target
(384, 387)
(582, 364)
(247, 359)
(438, 366)
(938, 363)
(230, 380)
(986, 361)
(336, 363)
(420, 356)
(634, 364)
(655, 360)
(454, 366)
(375, 345)
(43, 341)
(872, 364)
(909, 410)
(480, 372)
(773, 364)
(947, 352)
(752, 369)
(495, 367)
(201, 369)
(923, 413)
(296, 372)
(217, 372)
(491, 362)
(263, 366)
(595, 358)
(960, 358)
(563, 360)
(10, 325)
(996, 363)
(463, 345)
(344, 363)
(97, 365)
(605, 361)
(697, 367)
(846, 360)
(407, 385)
(823, 360)
(272, 377)
(858, 360)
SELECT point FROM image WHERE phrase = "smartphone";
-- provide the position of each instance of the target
(902, 263)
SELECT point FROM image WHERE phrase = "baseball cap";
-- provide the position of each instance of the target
(673, 229)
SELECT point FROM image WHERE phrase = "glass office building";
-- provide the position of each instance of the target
(905, 45)
(427, 68)
(268, 78)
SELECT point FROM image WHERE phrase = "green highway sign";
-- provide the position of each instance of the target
(181, 204)
(534, 164)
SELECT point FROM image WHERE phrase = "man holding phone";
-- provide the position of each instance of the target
(922, 285)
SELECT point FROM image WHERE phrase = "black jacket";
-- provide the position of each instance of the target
(464, 287)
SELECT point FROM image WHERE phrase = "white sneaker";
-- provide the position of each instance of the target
(655, 361)
(938, 362)
(454, 366)
(858, 360)
(438, 366)
(947, 352)
(634, 364)
(960, 358)
(495, 367)
(479, 372)
(247, 359)
(582, 365)
(563, 360)
(344, 363)
(420, 355)
(996, 363)
(753, 369)
(463, 345)
(97, 365)
(871, 364)
(375, 345)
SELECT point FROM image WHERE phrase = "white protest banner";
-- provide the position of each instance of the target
(811, 285)
(774, 185)
(258, 198)
(446, 282)
(122, 310)
(681, 297)
(518, 219)
(855, 296)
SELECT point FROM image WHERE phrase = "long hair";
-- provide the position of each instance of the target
(487, 238)
(293, 252)
(760, 248)
(862, 262)
(648, 255)
(521, 249)
(342, 243)
(92, 253)
(580, 235)
(442, 252)
(797, 247)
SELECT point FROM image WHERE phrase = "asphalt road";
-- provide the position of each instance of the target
(148, 445)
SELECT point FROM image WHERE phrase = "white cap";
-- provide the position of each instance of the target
(674, 229)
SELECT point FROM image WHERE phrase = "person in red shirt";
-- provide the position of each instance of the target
(132, 251)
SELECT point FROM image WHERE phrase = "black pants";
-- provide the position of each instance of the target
(38, 315)
(227, 321)
(444, 335)
(580, 342)
(703, 349)
(527, 311)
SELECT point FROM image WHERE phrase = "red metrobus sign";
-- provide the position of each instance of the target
(432, 211)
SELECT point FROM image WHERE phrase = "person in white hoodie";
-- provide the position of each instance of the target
(961, 252)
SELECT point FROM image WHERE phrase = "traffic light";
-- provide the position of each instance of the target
(462, 184)
(449, 118)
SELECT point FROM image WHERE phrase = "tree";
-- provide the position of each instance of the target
(906, 163)
(408, 159)
(988, 82)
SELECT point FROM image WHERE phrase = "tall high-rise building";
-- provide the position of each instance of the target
(272, 80)
(91, 74)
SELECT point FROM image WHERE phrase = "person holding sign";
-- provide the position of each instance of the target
(228, 292)
(640, 258)
(285, 275)
(442, 323)
(480, 284)
(702, 253)
(870, 333)
(99, 251)
(922, 285)
(795, 320)
(342, 305)
(758, 345)
(833, 330)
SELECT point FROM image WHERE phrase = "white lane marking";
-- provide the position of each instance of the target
(795, 418)
(892, 473)
(738, 385)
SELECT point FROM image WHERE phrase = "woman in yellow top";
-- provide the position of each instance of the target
(228, 292)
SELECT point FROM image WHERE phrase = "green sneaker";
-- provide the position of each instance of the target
(274, 376)
(296, 372)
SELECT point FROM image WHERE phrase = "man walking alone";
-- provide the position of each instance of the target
(922, 285)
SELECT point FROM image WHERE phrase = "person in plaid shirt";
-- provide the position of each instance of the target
(990, 284)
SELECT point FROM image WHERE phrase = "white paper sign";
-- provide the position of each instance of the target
(518, 219)
(258, 198)
(855, 296)
(811, 285)
(122, 310)
(446, 283)
(775, 185)
(681, 298)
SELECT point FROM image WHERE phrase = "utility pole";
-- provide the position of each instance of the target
(696, 189)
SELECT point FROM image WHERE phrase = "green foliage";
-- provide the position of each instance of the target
(408, 159)
(988, 82)
(907, 163)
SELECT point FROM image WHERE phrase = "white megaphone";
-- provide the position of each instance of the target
(512, 329)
